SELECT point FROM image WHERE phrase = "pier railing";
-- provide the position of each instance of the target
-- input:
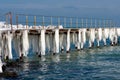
(66, 22)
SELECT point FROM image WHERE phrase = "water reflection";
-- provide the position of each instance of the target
(25, 64)
(43, 58)
(68, 57)
(56, 58)
(85, 64)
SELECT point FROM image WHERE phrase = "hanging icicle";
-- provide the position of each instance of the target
(61, 36)
(83, 37)
(105, 35)
(76, 38)
(48, 42)
(9, 44)
(1, 64)
(68, 41)
(79, 39)
(118, 31)
(99, 36)
(42, 41)
(91, 37)
(56, 45)
(35, 43)
(112, 35)
(1, 45)
(25, 43)
(18, 44)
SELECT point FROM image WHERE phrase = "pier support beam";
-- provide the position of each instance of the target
(56, 41)
(83, 37)
(91, 38)
(42, 42)
(79, 39)
(9, 44)
(25, 43)
(61, 41)
(68, 41)
(99, 36)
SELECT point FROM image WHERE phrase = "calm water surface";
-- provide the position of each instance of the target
(90, 64)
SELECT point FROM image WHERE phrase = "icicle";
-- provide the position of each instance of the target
(9, 44)
(112, 35)
(83, 37)
(76, 43)
(118, 31)
(35, 43)
(51, 39)
(92, 37)
(56, 41)
(48, 42)
(1, 45)
(61, 41)
(1, 64)
(25, 43)
(17, 44)
(43, 42)
(105, 35)
(79, 39)
(99, 35)
(72, 38)
(68, 41)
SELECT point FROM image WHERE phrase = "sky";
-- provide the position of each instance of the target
(82, 8)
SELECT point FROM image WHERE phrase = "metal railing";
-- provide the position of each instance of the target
(66, 22)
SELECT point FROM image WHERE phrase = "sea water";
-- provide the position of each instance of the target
(89, 64)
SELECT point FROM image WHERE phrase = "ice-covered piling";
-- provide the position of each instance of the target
(79, 39)
(83, 37)
(1, 64)
(42, 41)
(17, 44)
(99, 36)
(56, 41)
(25, 43)
(112, 36)
(9, 45)
(105, 35)
(91, 37)
(68, 41)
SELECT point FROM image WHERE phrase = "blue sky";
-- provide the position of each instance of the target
(82, 8)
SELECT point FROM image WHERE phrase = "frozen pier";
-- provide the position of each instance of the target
(43, 35)
(51, 34)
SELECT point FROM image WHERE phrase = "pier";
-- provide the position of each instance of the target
(44, 34)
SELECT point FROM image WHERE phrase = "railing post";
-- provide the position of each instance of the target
(76, 22)
(99, 23)
(43, 21)
(26, 22)
(35, 21)
(64, 21)
(58, 21)
(82, 23)
(51, 20)
(104, 23)
(11, 19)
(107, 23)
(110, 24)
(86, 22)
(91, 23)
(6, 20)
(71, 22)
(17, 20)
(95, 23)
